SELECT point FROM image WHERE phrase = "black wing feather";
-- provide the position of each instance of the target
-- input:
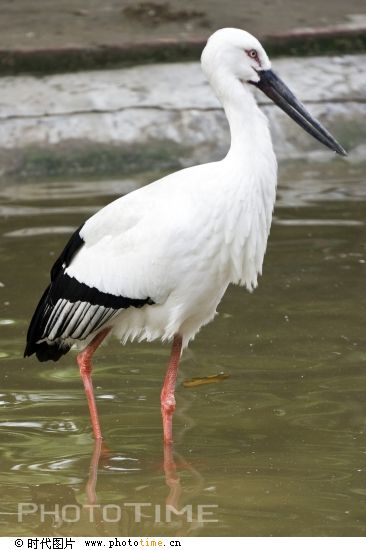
(69, 309)
(73, 245)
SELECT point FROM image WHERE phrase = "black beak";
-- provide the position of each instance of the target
(276, 89)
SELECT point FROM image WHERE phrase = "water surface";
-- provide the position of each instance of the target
(278, 448)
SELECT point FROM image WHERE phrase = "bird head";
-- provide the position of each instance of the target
(234, 53)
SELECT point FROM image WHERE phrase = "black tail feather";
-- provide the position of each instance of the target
(45, 351)
(36, 325)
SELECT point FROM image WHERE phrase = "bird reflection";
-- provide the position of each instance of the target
(175, 498)
(172, 477)
(100, 452)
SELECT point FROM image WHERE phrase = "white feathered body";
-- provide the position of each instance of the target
(180, 241)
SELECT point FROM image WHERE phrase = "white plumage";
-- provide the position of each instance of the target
(180, 241)
(156, 263)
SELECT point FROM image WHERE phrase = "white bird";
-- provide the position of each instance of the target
(154, 264)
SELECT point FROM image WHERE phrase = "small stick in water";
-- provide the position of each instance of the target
(199, 381)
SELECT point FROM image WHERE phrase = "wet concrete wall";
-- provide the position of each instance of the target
(127, 119)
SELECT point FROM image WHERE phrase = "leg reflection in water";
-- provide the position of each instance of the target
(177, 497)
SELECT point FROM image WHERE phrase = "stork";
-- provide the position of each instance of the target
(154, 264)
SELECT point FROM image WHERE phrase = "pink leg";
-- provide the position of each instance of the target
(85, 366)
(167, 398)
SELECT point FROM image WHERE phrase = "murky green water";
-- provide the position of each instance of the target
(279, 448)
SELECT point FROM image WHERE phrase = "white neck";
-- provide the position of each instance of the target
(248, 126)
(250, 178)
(250, 136)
